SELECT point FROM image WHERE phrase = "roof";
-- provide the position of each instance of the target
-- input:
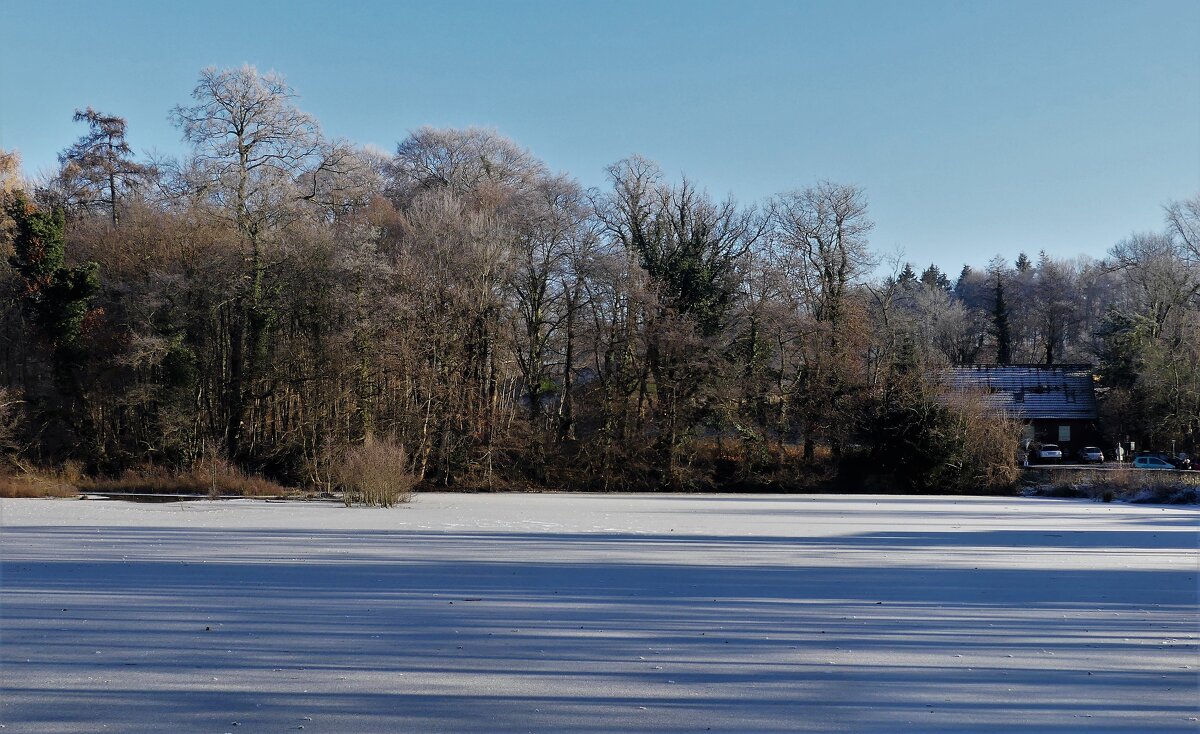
(1030, 391)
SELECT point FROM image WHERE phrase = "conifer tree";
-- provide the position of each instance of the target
(1001, 325)
(98, 168)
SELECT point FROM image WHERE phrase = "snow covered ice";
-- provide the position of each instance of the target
(556, 612)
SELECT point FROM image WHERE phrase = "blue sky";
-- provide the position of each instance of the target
(976, 128)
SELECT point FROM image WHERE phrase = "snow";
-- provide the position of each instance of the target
(590, 613)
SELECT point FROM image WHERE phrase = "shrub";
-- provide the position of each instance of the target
(989, 443)
(936, 441)
(377, 474)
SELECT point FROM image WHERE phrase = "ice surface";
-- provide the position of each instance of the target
(554, 613)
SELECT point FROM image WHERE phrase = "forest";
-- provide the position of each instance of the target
(297, 308)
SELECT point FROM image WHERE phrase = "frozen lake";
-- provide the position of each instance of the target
(599, 613)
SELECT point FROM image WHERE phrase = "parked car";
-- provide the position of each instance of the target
(1048, 452)
(1152, 462)
(1091, 454)
(1177, 461)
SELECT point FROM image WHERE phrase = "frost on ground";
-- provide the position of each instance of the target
(596, 613)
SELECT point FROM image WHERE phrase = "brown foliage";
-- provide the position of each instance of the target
(37, 484)
(211, 477)
(989, 438)
(377, 474)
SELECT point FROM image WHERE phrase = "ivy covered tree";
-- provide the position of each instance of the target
(56, 299)
(56, 296)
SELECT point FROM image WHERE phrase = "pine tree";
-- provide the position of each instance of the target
(1001, 326)
(99, 167)
(933, 277)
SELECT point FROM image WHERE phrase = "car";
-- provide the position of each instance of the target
(1178, 461)
(1048, 452)
(1091, 454)
(1152, 462)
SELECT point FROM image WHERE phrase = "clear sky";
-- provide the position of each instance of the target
(977, 128)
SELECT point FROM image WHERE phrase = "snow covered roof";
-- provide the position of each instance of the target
(1030, 391)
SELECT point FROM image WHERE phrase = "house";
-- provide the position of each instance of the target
(1056, 402)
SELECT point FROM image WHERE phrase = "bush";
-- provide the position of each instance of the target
(376, 474)
(936, 441)
(989, 444)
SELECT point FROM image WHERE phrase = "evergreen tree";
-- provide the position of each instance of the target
(99, 167)
(933, 277)
(1001, 326)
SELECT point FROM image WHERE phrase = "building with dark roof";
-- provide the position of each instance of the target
(1056, 402)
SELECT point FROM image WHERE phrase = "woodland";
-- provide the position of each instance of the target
(300, 311)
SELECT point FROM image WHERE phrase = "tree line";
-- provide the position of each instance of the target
(276, 297)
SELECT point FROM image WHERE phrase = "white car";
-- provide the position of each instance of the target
(1091, 454)
(1049, 452)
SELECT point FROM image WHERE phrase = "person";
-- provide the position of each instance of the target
(1120, 454)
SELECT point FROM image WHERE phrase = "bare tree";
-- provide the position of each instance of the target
(822, 231)
(252, 146)
(1156, 266)
(548, 232)
(483, 167)
(820, 239)
(1055, 307)
(1183, 222)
